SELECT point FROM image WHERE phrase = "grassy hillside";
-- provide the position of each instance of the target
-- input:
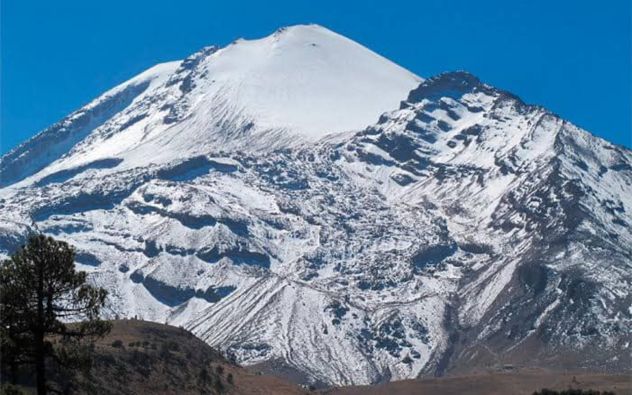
(139, 357)
(498, 383)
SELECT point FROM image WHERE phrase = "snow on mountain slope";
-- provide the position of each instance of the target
(463, 229)
(546, 215)
(298, 84)
(308, 80)
(60, 139)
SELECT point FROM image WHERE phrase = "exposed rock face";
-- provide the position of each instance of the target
(463, 229)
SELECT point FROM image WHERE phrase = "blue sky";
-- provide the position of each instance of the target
(573, 57)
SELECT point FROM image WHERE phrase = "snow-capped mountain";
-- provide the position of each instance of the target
(301, 202)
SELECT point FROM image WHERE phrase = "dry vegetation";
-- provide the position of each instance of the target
(139, 357)
(498, 383)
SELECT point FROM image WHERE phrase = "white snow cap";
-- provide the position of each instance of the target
(310, 80)
(297, 85)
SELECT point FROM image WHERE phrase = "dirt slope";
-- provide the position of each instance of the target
(515, 383)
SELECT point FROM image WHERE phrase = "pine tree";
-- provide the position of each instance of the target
(40, 292)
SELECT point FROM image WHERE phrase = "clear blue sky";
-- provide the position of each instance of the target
(572, 57)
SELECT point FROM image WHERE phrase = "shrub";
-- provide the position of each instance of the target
(203, 377)
(171, 346)
(9, 389)
(219, 386)
(165, 353)
(117, 343)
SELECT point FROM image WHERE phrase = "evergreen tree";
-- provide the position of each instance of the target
(40, 292)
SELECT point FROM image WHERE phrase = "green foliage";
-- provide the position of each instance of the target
(39, 292)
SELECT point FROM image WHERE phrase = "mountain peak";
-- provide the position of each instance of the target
(463, 220)
(455, 84)
(449, 83)
(296, 85)
(309, 81)
(305, 28)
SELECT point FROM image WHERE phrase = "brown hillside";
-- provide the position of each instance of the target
(139, 357)
(497, 383)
